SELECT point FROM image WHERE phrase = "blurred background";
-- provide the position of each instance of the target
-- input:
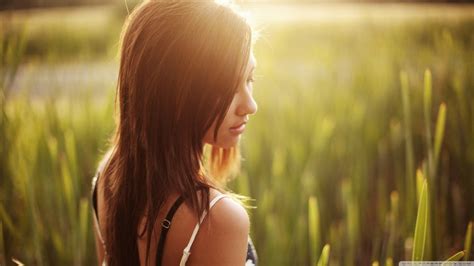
(361, 153)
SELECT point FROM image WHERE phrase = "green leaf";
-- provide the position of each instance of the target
(324, 259)
(83, 219)
(427, 93)
(468, 241)
(420, 178)
(7, 221)
(409, 152)
(421, 227)
(313, 224)
(439, 131)
(454, 257)
(427, 111)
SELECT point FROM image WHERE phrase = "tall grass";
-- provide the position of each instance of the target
(361, 151)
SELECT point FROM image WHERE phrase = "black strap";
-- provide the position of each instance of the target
(94, 195)
(165, 226)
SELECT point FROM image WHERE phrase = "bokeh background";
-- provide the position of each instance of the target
(361, 153)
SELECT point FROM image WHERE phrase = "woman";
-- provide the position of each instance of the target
(184, 87)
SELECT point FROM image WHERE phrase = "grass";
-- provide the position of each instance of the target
(361, 151)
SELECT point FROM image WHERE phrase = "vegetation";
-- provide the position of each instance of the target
(361, 151)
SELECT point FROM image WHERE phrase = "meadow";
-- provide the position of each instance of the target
(361, 151)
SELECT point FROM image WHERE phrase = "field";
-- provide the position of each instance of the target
(362, 143)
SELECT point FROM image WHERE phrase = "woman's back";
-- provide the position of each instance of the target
(222, 238)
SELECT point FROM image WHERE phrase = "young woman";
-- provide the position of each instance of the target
(184, 94)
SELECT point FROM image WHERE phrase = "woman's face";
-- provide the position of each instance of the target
(237, 116)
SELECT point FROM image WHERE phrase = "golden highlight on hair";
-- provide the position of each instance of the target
(181, 63)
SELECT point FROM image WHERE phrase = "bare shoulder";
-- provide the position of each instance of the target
(224, 231)
(228, 213)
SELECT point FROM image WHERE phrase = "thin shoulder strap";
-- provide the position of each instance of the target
(165, 225)
(186, 251)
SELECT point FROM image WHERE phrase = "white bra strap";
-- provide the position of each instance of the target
(186, 251)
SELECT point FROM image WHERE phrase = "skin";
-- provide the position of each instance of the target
(241, 107)
(222, 237)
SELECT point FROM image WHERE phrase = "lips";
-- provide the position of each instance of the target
(238, 129)
(239, 125)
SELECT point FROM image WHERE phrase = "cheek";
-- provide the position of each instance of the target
(224, 137)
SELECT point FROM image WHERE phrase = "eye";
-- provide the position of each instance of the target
(251, 79)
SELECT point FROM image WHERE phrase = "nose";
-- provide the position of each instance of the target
(247, 104)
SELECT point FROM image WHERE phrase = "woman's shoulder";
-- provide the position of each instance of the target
(224, 229)
(227, 212)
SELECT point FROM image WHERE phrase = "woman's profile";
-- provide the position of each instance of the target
(184, 96)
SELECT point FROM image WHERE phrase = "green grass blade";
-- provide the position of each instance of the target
(68, 191)
(427, 92)
(421, 227)
(393, 225)
(313, 224)
(7, 221)
(324, 259)
(439, 131)
(468, 241)
(70, 145)
(409, 153)
(427, 112)
(420, 178)
(83, 229)
(454, 257)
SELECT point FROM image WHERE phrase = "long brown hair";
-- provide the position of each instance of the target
(181, 63)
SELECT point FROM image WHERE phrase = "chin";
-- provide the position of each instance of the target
(229, 142)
